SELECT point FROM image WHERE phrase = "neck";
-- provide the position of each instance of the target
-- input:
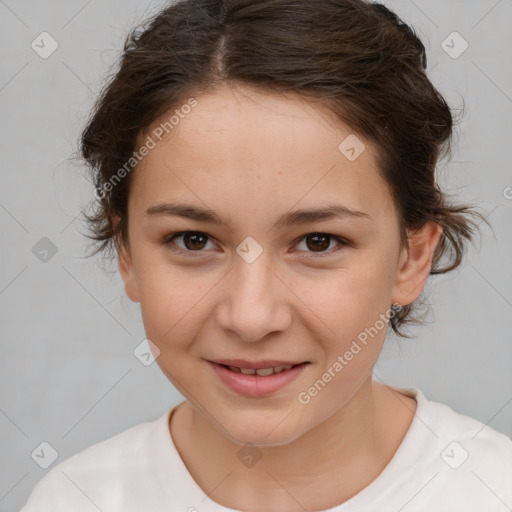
(322, 468)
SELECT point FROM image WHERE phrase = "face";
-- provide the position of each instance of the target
(251, 280)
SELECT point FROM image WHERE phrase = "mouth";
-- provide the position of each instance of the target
(257, 379)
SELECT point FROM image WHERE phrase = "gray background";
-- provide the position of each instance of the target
(68, 375)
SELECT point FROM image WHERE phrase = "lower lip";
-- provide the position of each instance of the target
(256, 385)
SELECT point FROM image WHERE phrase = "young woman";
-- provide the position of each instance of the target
(265, 175)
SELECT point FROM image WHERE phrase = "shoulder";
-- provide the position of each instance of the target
(475, 436)
(440, 422)
(468, 459)
(98, 473)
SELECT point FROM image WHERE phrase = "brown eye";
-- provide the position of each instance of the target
(192, 241)
(320, 243)
(317, 242)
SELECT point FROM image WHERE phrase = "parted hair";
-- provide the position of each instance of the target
(357, 58)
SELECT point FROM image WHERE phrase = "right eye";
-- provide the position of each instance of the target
(192, 241)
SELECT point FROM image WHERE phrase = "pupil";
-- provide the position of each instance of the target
(323, 245)
(188, 237)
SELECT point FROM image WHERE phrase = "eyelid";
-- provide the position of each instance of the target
(343, 242)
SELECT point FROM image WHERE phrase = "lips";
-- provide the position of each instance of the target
(261, 381)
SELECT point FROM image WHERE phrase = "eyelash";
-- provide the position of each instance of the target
(169, 239)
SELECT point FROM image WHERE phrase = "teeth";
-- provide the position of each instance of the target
(265, 371)
(262, 372)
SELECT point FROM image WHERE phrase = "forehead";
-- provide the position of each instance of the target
(248, 148)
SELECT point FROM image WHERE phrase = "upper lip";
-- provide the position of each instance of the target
(255, 365)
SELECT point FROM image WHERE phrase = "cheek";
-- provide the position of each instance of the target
(349, 316)
(170, 302)
(348, 299)
(351, 329)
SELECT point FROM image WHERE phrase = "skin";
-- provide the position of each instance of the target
(250, 157)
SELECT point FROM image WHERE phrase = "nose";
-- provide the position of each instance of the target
(255, 301)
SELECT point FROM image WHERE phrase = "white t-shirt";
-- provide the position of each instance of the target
(446, 462)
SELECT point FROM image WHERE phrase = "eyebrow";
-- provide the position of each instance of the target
(291, 218)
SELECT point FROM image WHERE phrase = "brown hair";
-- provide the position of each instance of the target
(356, 58)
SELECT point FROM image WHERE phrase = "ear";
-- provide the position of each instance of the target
(416, 263)
(126, 268)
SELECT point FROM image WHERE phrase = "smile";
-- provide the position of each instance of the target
(256, 382)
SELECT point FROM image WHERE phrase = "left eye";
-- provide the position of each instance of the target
(320, 242)
(195, 241)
